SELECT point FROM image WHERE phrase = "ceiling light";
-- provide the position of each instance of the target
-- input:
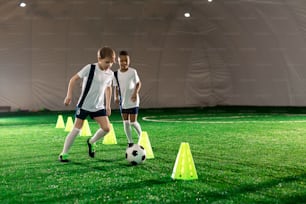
(187, 14)
(22, 4)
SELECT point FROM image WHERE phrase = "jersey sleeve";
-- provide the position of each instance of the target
(84, 71)
(109, 83)
(136, 77)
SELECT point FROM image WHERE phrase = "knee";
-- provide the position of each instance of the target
(106, 129)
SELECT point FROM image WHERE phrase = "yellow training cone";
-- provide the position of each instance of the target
(60, 122)
(85, 129)
(110, 138)
(145, 142)
(184, 168)
(69, 124)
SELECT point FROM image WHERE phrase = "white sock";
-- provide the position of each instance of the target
(70, 139)
(137, 127)
(128, 131)
(98, 135)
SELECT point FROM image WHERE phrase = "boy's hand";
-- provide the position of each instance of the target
(108, 111)
(134, 97)
(67, 101)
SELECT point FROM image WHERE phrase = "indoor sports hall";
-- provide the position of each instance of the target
(219, 88)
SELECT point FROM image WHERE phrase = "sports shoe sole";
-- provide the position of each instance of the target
(63, 160)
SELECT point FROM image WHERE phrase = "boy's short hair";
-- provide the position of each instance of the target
(123, 52)
(107, 52)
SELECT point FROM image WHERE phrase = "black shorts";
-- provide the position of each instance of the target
(130, 110)
(82, 114)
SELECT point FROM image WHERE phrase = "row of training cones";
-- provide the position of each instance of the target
(108, 139)
(184, 168)
(69, 125)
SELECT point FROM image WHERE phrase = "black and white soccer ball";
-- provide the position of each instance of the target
(135, 154)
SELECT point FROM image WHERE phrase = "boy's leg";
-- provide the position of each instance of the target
(136, 125)
(70, 138)
(128, 131)
(102, 119)
(127, 127)
(104, 129)
(101, 132)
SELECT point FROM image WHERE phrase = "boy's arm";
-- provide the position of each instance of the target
(108, 96)
(136, 91)
(71, 85)
(116, 95)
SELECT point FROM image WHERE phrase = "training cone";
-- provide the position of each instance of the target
(60, 122)
(110, 138)
(184, 168)
(145, 142)
(69, 124)
(85, 129)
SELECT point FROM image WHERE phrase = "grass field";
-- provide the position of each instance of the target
(240, 157)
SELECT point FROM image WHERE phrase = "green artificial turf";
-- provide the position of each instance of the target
(240, 157)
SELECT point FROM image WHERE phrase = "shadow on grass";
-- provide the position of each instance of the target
(261, 187)
(91, 164)
(222, 195)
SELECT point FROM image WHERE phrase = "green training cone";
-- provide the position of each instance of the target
(60, 122)
(110, 138)
(145, 142)
(69, 124)
(184, 168)
(85, 129)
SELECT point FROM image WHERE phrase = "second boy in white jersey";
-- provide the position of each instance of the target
(127, 86)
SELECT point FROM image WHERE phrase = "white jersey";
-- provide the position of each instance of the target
(127, 82)
(94, 100)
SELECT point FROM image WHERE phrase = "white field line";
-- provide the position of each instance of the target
(198, 120)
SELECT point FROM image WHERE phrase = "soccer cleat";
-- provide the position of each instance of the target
(91, 149)
(63, 158)
(130, 144)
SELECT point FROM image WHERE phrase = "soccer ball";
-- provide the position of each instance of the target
(135, 154)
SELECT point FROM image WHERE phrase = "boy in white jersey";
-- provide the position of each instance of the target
(97, 80)
(127, 86)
